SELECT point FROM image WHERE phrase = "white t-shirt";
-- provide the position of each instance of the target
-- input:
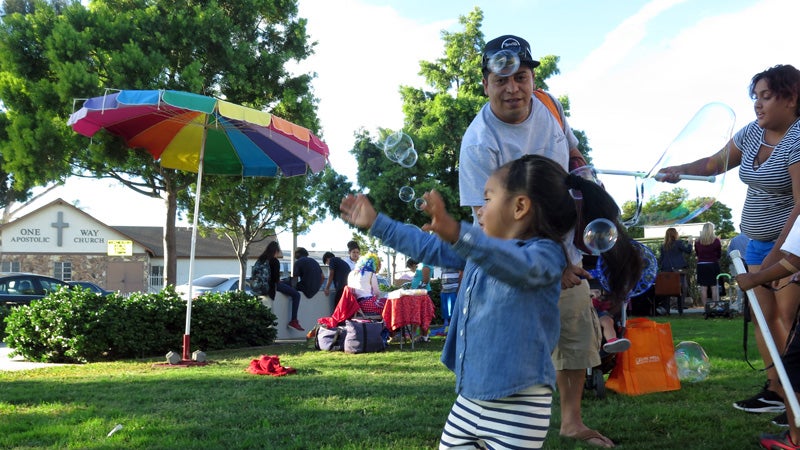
(489, 143)
(792, 242)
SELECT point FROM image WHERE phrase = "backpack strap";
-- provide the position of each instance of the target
(549, 102)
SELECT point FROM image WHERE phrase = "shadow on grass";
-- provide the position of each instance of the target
(389, 400)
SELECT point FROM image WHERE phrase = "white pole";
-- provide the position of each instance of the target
(186, 346)
(788, 391)
(709, 178)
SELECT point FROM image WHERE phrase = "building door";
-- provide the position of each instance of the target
(125, 277)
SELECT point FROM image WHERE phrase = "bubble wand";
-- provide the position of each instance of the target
(788, 390)
(658, 176)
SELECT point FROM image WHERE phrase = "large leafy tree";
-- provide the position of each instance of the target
(261, 206)
(9, 192)
(436, 119)
(53, 52)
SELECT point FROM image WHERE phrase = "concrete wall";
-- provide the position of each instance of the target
(684, 230)
(310, 310)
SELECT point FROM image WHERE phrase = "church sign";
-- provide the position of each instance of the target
(62, 228)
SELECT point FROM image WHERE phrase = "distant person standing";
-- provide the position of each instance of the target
(353, 253)
(709, 250)
(338, 270)
(672, 259)
(307, 273)
(451, 279)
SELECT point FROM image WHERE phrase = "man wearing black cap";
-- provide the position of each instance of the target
(518, 120)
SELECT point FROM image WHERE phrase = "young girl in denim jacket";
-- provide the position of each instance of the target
(505, 321)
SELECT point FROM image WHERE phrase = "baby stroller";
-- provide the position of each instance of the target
(595, 376)
(721, 308)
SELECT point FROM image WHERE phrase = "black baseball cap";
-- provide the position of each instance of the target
(509, 42)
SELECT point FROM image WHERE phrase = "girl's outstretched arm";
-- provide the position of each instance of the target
(358, 210)
(441, 222)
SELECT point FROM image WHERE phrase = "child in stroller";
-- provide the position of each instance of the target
(612, 341)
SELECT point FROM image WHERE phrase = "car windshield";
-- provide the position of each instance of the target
(50, 286)
(209, 281)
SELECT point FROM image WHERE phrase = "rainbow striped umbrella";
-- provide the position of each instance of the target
(195, 133)
(181, 129)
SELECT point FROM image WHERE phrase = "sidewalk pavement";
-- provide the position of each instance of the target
(7, 363)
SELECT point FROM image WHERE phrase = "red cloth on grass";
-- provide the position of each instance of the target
(269, 365)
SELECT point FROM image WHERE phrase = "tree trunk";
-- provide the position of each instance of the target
(170, 255)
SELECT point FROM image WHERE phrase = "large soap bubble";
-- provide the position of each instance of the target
(692, 362)
(600, 235)
(708, 131)
(397, 147)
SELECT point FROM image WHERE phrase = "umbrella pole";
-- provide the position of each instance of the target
(187, 349)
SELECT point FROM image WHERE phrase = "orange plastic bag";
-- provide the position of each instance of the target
(649, 364)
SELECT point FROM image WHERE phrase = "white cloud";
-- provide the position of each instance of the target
(620, 42)
(633, 103)
(364, 54)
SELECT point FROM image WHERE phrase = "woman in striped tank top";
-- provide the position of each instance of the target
(767, 152)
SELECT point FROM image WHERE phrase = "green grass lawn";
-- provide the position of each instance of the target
(398, 399)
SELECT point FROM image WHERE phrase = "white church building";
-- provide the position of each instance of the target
(61, 241)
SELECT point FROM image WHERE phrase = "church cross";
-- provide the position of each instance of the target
(60, 224)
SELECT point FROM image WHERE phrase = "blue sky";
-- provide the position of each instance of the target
(635, 71)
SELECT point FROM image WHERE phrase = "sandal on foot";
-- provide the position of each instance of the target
(588, 435)
(780, 441)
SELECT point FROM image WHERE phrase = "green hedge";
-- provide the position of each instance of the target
(79, 326)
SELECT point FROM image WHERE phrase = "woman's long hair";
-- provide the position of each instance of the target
(707, 236)
(670, 237)
(623, 261)
(269, 252)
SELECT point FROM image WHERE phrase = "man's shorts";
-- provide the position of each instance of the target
(579, 344)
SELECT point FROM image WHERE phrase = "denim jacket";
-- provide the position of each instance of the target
(505, 322)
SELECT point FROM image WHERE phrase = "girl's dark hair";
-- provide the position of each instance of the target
(544, 182)
(270, 251)
(783, 80)
(555, 214)
(623, 261)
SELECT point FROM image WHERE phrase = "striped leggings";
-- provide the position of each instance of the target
(519, 421)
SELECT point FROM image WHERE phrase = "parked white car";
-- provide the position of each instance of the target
(212, 283)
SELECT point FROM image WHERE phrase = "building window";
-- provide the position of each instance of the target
(9, 266)
(62, 270)
(156, 278)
